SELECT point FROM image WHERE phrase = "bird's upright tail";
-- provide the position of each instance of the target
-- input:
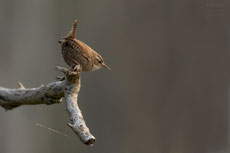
(72, 33)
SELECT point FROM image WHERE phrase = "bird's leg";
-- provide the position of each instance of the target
(77, 67)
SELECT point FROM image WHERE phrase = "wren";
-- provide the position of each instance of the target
(79, 55)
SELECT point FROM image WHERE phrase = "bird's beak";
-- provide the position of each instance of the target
(105, 66)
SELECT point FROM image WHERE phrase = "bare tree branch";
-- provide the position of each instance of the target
(50, 94)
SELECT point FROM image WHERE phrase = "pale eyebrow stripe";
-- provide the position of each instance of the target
(55, 131)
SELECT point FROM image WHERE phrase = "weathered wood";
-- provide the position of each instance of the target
(52, 93)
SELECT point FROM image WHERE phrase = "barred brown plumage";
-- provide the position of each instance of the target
(76, 52)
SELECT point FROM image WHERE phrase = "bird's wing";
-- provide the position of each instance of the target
(78, 47)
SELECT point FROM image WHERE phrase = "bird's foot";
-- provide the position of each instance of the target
(77, 68)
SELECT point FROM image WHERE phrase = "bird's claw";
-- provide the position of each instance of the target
(77, 68)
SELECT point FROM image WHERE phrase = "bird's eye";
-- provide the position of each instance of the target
(65, 44)
(99, 59)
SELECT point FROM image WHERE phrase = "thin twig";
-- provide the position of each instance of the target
(55, 131)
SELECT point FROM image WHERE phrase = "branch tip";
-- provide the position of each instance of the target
(90, 142)
(70, 125)
(21, 86)
(60, 78)
(62, 69)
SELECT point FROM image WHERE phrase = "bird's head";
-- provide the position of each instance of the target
(99, 62)
(62, 41)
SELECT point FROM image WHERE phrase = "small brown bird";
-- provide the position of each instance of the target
(76, 53)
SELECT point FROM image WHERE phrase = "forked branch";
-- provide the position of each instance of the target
(52, 93)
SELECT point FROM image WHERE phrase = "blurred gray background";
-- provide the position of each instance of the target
(168, 91)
